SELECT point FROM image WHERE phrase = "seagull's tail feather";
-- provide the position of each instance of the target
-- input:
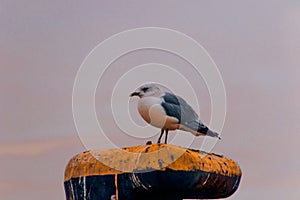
(204, 129)
(197, 128)
(213, 134)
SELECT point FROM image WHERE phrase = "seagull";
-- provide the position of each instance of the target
(160, 108)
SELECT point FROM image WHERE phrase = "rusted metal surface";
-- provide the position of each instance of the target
(150, 172)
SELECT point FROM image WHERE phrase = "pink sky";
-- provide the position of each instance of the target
(255, 44)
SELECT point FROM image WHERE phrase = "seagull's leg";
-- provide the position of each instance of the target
(166, 136)
(161, 134)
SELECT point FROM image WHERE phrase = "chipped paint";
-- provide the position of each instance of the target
(116, 186)
(84, 188)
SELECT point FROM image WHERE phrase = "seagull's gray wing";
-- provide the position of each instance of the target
(177, 107)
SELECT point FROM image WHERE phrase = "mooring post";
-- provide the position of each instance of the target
(148, 172)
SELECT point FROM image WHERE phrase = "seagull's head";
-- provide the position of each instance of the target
(149, 89)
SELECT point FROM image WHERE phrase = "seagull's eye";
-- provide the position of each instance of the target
(145, 89)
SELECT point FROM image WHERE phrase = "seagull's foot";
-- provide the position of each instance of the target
(166, 136)
(161, 134)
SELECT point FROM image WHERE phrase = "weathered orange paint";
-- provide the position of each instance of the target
(154, 156)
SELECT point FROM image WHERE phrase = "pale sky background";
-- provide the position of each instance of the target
(255, 44)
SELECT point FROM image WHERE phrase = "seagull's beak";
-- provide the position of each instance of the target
(134, 94)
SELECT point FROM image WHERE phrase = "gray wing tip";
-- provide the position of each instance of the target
(213, 134)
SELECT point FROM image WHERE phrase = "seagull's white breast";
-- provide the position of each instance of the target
(153, 113)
